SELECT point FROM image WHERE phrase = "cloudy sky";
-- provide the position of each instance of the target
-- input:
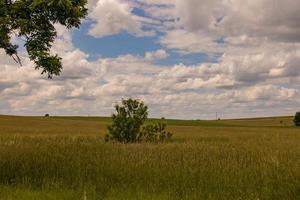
(185, 58)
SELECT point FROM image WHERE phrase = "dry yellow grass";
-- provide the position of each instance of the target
(66, 158)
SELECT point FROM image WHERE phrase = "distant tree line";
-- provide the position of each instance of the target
(297, 119)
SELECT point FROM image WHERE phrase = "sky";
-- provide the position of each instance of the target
(186, 59)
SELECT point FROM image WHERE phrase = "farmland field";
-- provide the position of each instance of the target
(67, 158)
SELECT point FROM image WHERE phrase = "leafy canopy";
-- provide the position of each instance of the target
(33, 20)
(127, 121)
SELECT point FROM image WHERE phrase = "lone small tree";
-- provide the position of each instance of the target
(297, 119)
(128, 121)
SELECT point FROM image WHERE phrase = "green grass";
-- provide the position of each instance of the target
(66, 158)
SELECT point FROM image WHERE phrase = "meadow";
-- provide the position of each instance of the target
(66, 158)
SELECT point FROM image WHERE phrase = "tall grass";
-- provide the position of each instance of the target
(200, 163)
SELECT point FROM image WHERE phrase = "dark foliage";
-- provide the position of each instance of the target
(33, 21)
(297, 119)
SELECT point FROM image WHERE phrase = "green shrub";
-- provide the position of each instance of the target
(297, 119)
(155, 133)
(128, 121)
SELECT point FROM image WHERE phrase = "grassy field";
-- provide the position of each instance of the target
(67, 158)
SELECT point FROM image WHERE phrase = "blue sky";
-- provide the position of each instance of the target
(113, 45)
(125, 43)
(186, 59)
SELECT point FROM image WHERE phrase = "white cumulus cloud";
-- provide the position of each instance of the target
(111, 17)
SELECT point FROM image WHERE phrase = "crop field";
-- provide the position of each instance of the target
(66, 158)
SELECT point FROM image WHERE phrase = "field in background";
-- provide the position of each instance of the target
(66, 158)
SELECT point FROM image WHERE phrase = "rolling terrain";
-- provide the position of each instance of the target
(67, 158)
